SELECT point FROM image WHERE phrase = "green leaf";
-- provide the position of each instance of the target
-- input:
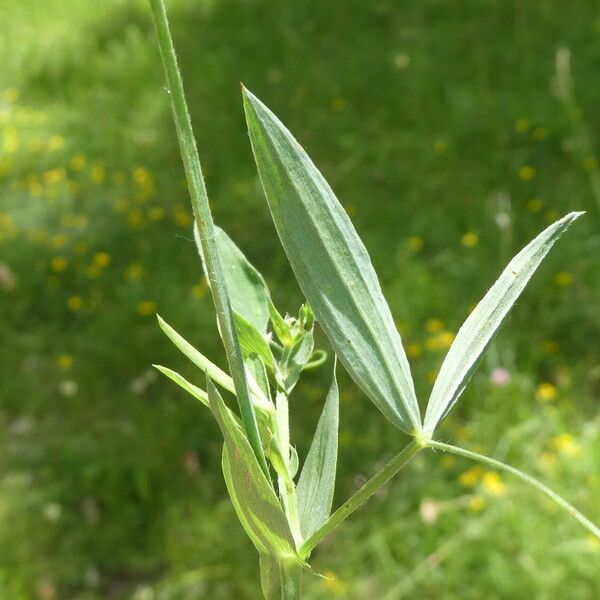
(252, 341)
(280, 327)
(248, 292)
(480, 327)
(253, 498)
(183, 383)
(214, 372)
(317, 479)
(333, 267)
(270, 580)
(296, 358)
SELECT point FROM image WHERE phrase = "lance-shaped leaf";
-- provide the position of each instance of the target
(212, 370)
(252, 341)
(248, 292)
(251, 493)
(478, 330)
(317, 479)
(333, 267)
(183, 383)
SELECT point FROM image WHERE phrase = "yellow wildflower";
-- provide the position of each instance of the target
(493, 484)
(534, 205)
(470, 239)
(78, 162)
(146, 308)
(156, 213)
(11, 141)
(97, 173)
(338, 104)
(200, 290)
(58, 264)
(551, 215)
(550, 346)
(134, 272)
(440, 146)
(434, 325)
(526, 173)
(182, 217)
(538, 134)
(64, 361)
(414, 243)
(563, 279)
(136, 219)
(55, 142)
(566, 444)
(590, 163)
(522, 125)
(58, 240)
(471, 476)
(54, 176)
(546, 392)
(476, 503)
(74, 303)
(414, 350)
(102, 259)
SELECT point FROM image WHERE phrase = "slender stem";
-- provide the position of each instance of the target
(361, 496)
(524, 477)
(205, 226)
(290, 581)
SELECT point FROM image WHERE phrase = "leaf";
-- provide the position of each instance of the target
(252, 341)
(270, 580)
(183, 383)
(317, 479)
(296, 359)
(253, 498)
(333, 267)
(248, 292)
(480, 327)
(214, 372)
(280, 327)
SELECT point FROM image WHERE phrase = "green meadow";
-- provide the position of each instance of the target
(452, 132)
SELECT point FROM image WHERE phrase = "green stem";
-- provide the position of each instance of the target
(524, 477)
(290, 581)
(361, 496)
(205, 225)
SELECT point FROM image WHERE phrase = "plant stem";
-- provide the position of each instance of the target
(205, 226)
(361, 496)
(524, 477)
(290, 581)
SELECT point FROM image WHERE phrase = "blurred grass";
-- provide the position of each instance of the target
(433, 122)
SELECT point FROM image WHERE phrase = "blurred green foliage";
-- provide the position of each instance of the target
(436, 125)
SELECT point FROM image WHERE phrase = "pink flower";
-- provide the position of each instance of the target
(500, 377)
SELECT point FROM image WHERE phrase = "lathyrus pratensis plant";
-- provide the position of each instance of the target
(287, 516)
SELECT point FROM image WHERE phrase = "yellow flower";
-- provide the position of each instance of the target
(522, 125)
(58, 240)
(551, 215)
(546, 392)
(476, 503)
(102, 259)
(97, 173)
(56, 142)
(470, 477)
(200, 290)
(58, 264)
(414, 243)
(64, 361)
(566, 444)
(526, 173)
(156, 213)
(338, 104)
(534, 205)
(434, 325)
(350, 208)
(493, 484)
(182, 217)
(590, 163)
(54, 176)
(564, 279)
(440, 146)
(146, 308)
(78, 162)
(550, 346)
(74, 303)
(136, 219)
(470, 240)
(414, 350)
(333, 583)
(134, 272)
(538, 134)
(11, 141)
(445, 339)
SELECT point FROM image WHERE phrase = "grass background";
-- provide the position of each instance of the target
(437, 125)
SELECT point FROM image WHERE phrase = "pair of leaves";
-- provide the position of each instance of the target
(337, 278)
